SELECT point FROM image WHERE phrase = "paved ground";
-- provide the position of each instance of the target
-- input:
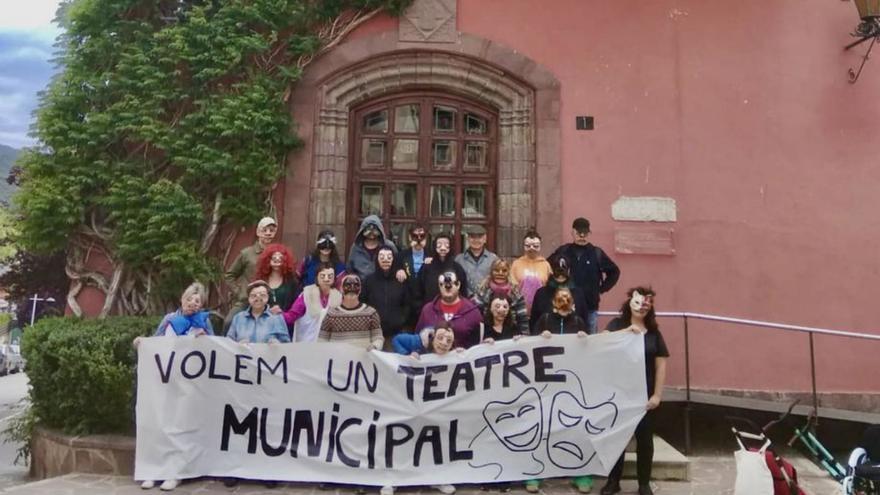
(12, 389)
(710, 475)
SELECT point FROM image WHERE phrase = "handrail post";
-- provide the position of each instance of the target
(687, 382)
(813, 378)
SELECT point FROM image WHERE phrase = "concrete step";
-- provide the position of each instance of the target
(669, 464)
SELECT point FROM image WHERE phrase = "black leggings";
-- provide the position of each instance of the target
(644, 451)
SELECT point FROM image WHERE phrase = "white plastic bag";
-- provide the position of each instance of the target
(753, 477)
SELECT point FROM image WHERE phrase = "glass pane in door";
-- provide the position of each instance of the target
(406, 154)
(473, 202)
(475, 153)
(404, 198)
(371, 199)
(376, 122)
(444, 118)
(406, 118)
(474, 124)
(444, 155)
(442, 200)
(372, 153)
(399, 232)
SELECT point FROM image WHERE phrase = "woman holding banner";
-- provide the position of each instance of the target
(311, 306)
(188, 320)
(440, 342)
(637, 315)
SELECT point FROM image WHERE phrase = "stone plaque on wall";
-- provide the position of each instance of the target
(644, 240)
(429, 21)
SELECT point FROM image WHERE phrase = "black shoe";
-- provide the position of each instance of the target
(645, 490)
(230, 482)
(610, 488)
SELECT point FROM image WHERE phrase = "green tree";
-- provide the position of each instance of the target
(168, 122)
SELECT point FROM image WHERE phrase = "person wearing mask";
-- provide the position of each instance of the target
(562, 320)
(256, 324)
(352, 322)
(476, 259)
(442, 262)
(592, 270)
(462, 315)
(242, 270)
(543, 302)
(637, 315)
(412, 260)
(531, 270)
(498, 321)
(276, 265)
(325, 252)
(390, 297)
(369, 238)
(188, 320)
(499, 283)
(310, 307)
(439, 341)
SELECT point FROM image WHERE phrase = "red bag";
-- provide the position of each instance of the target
(784, 475)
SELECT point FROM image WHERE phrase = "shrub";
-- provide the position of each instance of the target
(82, 372)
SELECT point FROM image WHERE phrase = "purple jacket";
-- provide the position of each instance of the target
(465, 324)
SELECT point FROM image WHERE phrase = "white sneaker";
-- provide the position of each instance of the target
(444, 489)
(169, 485)
(386, 490)
(147, 484)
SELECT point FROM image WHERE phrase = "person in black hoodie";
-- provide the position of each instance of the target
(543, 302)
(390, 298)
(442, 262)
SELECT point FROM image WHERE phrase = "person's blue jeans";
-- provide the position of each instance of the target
(592, 322)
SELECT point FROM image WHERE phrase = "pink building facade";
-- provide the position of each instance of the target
(730, 164)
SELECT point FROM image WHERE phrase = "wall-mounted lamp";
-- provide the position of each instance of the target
(868, 29)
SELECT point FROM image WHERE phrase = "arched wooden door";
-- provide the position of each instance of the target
(423, 157)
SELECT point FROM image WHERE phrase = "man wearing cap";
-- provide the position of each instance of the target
(591, 269)
(463, 316)
(476, 260)
(239, 275)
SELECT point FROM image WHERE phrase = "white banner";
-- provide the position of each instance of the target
(515, 410)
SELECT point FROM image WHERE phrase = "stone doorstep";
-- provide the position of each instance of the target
(669, 464)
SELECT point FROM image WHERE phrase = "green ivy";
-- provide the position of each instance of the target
(163, 106)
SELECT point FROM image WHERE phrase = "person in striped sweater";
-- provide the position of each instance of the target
(352, 322)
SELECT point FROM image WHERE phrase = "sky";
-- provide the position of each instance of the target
(26, 38)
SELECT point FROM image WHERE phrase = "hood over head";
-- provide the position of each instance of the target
(375, 221)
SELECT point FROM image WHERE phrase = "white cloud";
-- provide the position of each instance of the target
(16, 139)
(27, 14)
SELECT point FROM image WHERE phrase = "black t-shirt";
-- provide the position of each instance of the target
(655, 347)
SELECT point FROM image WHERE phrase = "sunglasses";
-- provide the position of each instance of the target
(419, 236)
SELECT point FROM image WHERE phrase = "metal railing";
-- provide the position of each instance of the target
(810, 331)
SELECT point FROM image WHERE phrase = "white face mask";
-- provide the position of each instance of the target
(639, 304)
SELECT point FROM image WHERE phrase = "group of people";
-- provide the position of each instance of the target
(426, 298)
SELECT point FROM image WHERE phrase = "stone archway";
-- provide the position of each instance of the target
(525, 96)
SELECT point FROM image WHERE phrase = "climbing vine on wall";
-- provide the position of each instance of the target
(168, 120)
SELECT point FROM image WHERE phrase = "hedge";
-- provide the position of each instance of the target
(82, 372)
